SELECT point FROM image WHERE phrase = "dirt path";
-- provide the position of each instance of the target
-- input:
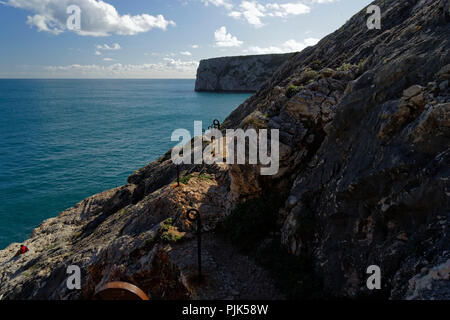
(229, 275)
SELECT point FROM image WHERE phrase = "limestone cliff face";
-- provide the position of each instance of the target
(237, 74)
(364, 123)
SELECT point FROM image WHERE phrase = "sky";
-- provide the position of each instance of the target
(154, 38)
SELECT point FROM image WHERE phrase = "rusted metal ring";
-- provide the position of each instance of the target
(195, 217)
(119, 290)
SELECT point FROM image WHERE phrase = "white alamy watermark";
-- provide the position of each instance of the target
(73, 282)
(229, 149)
(374, 20)
(74, 20)
(374, 281)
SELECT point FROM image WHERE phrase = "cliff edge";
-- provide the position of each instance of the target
(237, 74)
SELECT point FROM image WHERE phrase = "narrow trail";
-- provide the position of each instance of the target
(228, 274)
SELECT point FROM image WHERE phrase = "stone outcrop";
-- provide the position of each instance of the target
(364, 117)
(146, 240)
(237, 74)
(364, 122)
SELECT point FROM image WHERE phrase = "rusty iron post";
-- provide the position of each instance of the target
(216, 124)
(194, 215)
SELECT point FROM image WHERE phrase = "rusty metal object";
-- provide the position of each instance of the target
(216, 124)
(178, 175)
(119, 290)
(194, 215)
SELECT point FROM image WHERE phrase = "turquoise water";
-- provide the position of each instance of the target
(64, 140)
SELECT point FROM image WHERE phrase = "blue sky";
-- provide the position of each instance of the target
(155, 38)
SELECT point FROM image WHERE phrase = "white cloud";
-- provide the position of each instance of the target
(108, 59)
(253, 12)
(218, 3)
(284, 10)
(259, 50)
(43, 23)
(293, 45)
(323, 1)
(98, 18)
(224, 39)
(114, 46)
(185, 53)
(179, 65)
(288, 46)
(98, 53)
(166, 68)
(195, 46)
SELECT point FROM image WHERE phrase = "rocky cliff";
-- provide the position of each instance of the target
(364, 120)
(237, 74)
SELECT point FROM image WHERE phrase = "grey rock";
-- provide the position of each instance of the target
(412, 91)
(365, 155)
(237, 74)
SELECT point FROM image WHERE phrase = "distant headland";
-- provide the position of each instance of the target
(237, 74)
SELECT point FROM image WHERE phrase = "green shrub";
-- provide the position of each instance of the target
(316, 65)
(77, 235)
(309, 75)
(362, 64)
(166, 224)
(346, 67)
(171, 236)
(185, 179)
(293, 90)
(205, 177)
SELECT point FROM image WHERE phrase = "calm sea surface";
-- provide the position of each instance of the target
(64, 140)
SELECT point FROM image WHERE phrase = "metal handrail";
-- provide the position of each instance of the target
(196, 217)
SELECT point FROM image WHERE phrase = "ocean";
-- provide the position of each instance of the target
(64, 140)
